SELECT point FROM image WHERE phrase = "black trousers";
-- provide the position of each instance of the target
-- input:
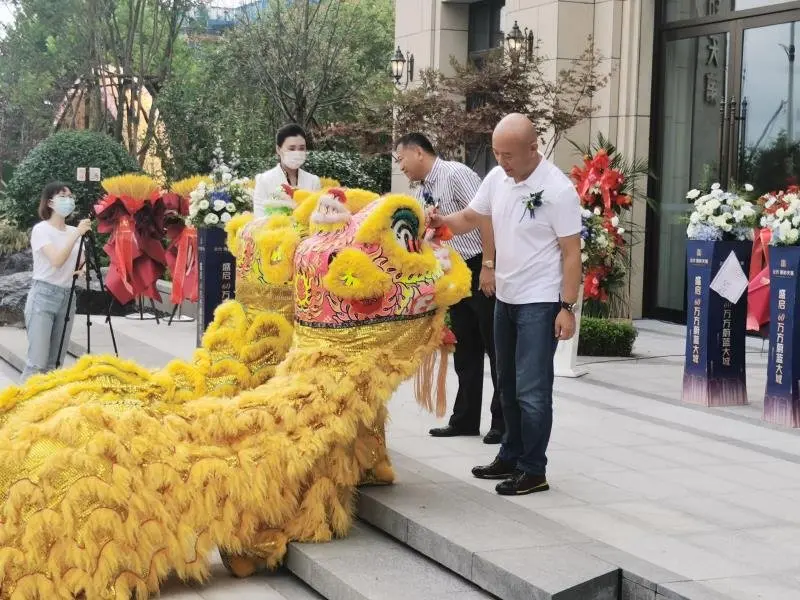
(472, 321)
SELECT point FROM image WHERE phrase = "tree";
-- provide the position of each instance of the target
(317, 58)
(86, 64)
(460, 111)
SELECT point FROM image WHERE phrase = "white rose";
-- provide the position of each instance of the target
(226, 178)
(586, 214)
(763, 221)
(793, 236)
(784, 227)
(692, 194)
(695, 217)
(727, 227)
(219, 205)
(620, 230)
(715, 186)
(226, 216)
(195, 195)
(748, 187)
(597, 211)
(583, 244)
(584, 257)
(210, 219)
(780, 213)
(614, 220)
(738, 215)
(690, 231)
(713, 204)
(203, 204)
(230, 207)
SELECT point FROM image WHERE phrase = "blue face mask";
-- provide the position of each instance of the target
(64, 205)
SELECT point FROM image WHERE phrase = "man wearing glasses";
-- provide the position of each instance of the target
(449, 187)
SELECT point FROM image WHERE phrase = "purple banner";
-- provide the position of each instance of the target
(714, 372)
(217, 273)
(782, 400)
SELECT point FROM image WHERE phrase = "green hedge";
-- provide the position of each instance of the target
(57, 158)
(606, 337)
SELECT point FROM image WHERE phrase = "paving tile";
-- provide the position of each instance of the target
(719, 511)
(752, 476)
(743, 546)
(661, 518)
(638, 460)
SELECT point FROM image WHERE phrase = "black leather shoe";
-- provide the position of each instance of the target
(521, 484)
(450, 431)
(497, 470)
(495, 436)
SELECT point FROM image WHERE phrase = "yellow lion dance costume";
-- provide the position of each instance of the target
(113, 481)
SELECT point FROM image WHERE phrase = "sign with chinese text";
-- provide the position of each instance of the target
(782, 398)
(714, 372)
(217, 271)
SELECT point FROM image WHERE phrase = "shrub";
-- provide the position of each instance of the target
(57, 158)
(12, 240)
(606, 337)
(347, 168)
(380, 169)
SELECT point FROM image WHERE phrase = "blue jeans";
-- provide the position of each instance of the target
(45, 313)
(524, 337)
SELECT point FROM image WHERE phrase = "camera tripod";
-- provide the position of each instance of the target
(88, 250)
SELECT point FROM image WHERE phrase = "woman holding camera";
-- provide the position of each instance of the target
(55, 248)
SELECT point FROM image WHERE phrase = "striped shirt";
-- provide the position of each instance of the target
(451, 186)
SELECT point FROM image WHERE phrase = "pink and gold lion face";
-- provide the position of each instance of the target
(373, 266)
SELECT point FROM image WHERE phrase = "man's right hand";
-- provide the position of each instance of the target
(435, 220)
(84, 226)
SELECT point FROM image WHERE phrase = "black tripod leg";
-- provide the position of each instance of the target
(88, 292)
(67, 317)
(96, 265)
(155, 312)
(172, 316)
(111, 325)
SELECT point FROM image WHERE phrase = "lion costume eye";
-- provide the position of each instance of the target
(405, 225)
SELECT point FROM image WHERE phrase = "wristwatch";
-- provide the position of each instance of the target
(489, 264)
(567, 306)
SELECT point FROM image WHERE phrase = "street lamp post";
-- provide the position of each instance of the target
(399, 63)
(520, 41)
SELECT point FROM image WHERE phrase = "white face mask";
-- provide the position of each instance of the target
(63, 205)
(294, 159)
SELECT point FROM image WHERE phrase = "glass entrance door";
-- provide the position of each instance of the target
(694, 83)
(771, 89)
(729, 111)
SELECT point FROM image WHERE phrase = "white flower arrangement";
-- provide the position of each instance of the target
(719, 215)
(216, 204)
(782, 217)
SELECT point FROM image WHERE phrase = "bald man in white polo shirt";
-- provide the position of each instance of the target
(536, 218)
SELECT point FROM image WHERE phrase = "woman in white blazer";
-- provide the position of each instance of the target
(291, 148)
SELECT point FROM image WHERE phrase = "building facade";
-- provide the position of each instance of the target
(702, 89)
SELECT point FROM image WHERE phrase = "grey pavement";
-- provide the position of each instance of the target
(709, 496)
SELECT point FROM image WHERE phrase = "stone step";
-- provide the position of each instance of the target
(368, 565)
(281, 585)
(506, 549)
